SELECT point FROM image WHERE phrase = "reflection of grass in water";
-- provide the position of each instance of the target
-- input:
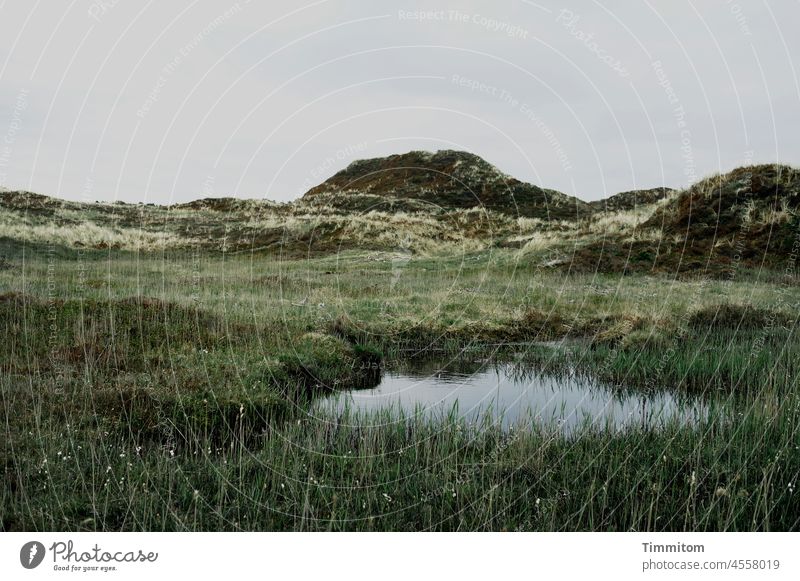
(181, 413)
(554, 372)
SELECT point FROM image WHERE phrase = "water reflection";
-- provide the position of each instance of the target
(513, 394)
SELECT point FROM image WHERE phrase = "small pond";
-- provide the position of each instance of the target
(511, 395)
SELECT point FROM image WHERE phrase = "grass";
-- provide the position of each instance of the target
(411, 475)
(151, 381)
(168, 392)
(742, 221)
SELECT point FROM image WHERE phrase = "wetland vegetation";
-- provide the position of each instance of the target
(160, 367)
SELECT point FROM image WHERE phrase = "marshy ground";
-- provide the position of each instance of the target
(187, 410)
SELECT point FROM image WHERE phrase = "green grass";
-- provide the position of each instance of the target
(414, 475)
(186, 410)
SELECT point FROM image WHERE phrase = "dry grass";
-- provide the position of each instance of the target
(88, 234)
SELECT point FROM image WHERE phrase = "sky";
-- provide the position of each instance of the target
(166, 102)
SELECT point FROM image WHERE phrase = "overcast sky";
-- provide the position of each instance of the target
(172, 101)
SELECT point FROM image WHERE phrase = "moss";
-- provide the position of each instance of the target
(321, 362)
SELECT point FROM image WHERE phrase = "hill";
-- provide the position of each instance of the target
(631, 200)
(445, 179)
(448, 203)
(754, 204)
(744, 218)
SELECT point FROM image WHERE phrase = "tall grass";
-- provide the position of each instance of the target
(412, 474)
(169, 393)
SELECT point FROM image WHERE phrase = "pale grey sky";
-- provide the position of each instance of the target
(171, 101)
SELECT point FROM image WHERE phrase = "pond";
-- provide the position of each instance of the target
(511, 395)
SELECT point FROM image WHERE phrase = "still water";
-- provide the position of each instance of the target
(509, 394)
